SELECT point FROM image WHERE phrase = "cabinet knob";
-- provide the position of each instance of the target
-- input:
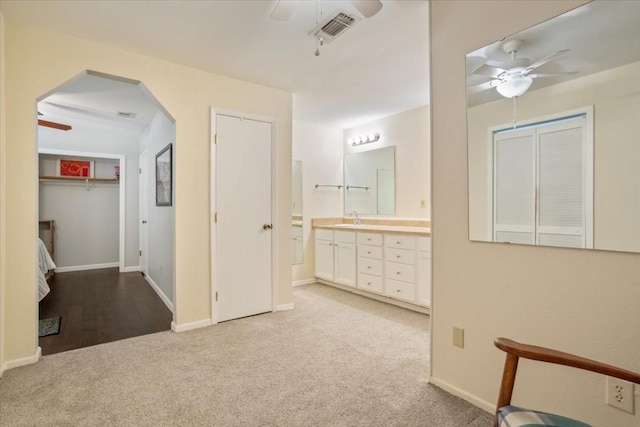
(397, 290)
(398, 273)
(266, 226)
(369, 267)
(397, 243)
(369, 252)
(144, 221)
(369, 283)
(397, 256)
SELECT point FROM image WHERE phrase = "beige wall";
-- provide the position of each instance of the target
(409, 133)
(37, 62)
(615, 95)
(2, 197)
(584, 302)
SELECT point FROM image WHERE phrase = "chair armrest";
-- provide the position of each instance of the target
(560, 358)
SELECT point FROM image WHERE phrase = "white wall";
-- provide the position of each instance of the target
(320, 150)
(94, 135)
(86, 216)
(35, 66)
(615, 95)
(409, 132)
(160, 219)
(583, 302)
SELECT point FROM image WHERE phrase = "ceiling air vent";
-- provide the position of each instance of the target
(333, 26)
(126, 114)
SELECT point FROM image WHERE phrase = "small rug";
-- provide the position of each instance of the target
(49, 326)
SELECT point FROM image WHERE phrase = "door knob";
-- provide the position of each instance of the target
(144, 222)
(266, 227)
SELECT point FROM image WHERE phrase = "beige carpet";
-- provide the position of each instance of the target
(338, 359)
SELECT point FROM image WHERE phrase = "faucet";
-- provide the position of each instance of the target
(356, 220)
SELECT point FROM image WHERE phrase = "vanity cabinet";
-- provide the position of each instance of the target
(336, 256)
(395, 266)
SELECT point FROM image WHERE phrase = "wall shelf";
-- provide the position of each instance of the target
(78, 179)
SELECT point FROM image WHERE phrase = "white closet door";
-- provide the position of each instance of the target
(561, 185)
(514, 187)
(243, 196)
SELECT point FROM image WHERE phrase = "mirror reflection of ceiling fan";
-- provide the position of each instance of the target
(515, 76)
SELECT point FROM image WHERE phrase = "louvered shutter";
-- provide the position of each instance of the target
(561, 185)
(514, 187)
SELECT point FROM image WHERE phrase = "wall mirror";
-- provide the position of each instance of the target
(369, 182)
(552, 122)
(296, 211)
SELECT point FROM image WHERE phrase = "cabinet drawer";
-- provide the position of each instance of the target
(402, 256)
(374, 252)
(402, 272)
(369, 282)
(424, 244)
(370, 239)
(344, 236)
(322, 234)
(400, 242)
(401, 290)
(370, 266)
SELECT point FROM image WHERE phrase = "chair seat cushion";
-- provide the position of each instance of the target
(513, 416)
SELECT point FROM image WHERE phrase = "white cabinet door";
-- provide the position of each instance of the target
(324, 259)
(345, 263)
(424, 278)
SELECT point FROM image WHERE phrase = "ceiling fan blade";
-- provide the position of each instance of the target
(545, 60)
(483, 86)
(283, 9)
(367, 8)
(489, 71)
(561, 73)
(53, 125)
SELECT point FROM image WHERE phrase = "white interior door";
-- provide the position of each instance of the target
(144, 207)
(243, 266)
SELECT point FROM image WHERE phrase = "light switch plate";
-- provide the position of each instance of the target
(458, 337)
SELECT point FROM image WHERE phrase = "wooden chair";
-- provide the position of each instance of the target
(516, 416)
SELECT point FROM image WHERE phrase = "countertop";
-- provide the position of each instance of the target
(422, 231)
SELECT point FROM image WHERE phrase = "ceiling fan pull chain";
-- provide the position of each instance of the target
(514, 111)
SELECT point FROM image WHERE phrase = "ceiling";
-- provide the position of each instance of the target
(601, 35)
(376, 68)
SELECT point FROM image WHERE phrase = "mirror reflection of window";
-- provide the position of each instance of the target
(296, 212)
(562, 189)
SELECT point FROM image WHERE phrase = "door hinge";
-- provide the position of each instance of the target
(216, 296)
(140, 253)
(215, 217)
(140, 171)
(215, 139)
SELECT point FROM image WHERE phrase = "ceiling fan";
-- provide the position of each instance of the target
(54, 125)
(515, 77)
(284, 8)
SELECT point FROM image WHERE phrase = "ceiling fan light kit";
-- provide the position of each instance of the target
(514, 85)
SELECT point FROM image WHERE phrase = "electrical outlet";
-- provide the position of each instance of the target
(458, 337)
(620, 394)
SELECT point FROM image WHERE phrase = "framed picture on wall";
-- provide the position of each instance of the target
(164, 176)
(75, 168)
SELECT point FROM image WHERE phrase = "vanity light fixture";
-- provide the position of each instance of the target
(365, 139)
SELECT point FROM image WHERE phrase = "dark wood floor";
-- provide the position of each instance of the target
(99, 306)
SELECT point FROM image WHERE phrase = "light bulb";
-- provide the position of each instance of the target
(514, 85)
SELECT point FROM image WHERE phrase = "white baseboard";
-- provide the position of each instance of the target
(474, 400)
(283, 307)
(130, 269)
(87, 267)
(10, 364)
(158, 291)
(189, 326)
(304, 282)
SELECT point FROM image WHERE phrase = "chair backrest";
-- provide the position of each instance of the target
(517, 350)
